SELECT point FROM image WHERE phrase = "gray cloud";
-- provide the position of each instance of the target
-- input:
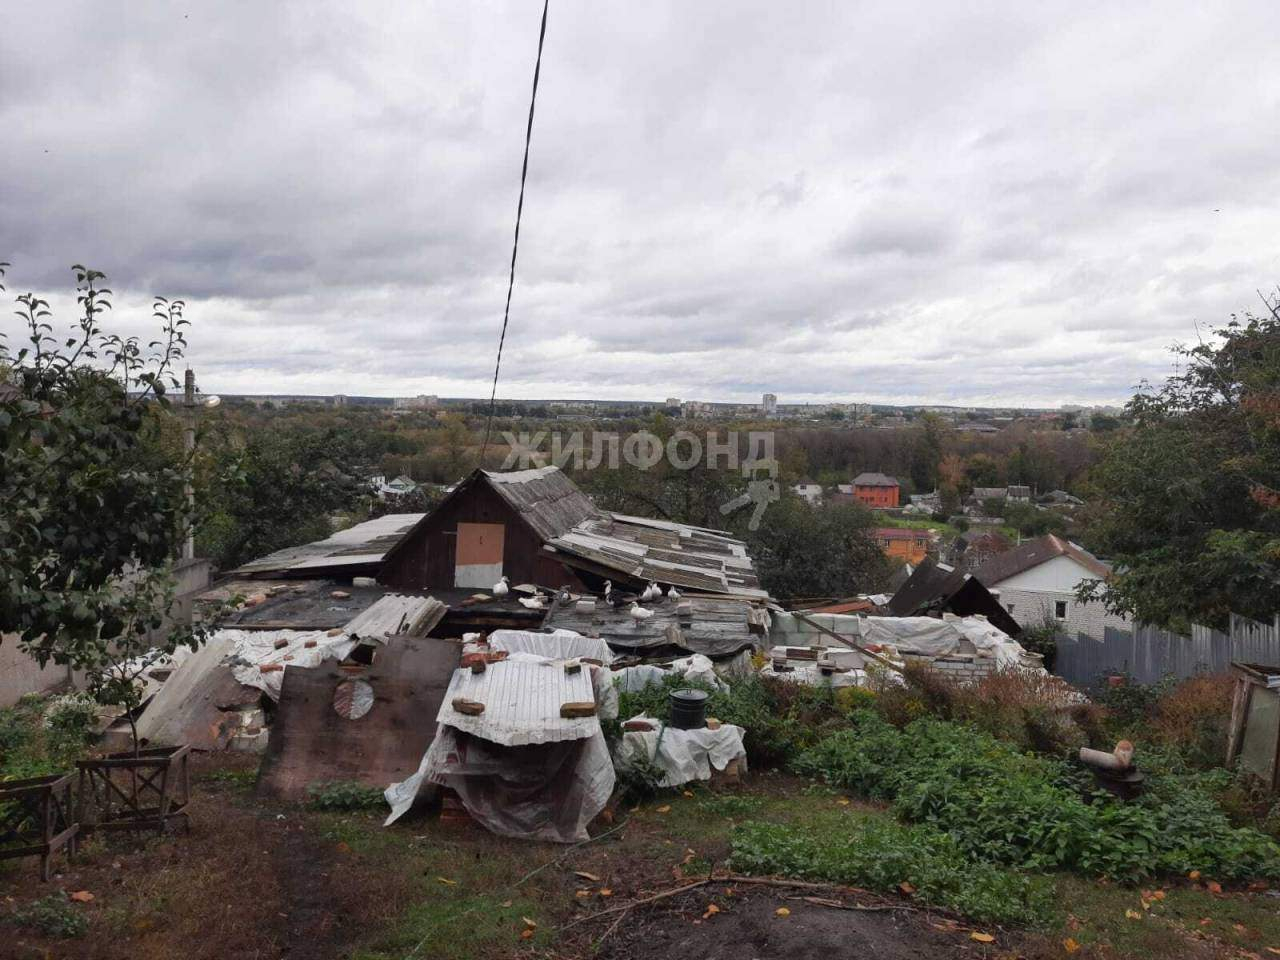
(1023, 203)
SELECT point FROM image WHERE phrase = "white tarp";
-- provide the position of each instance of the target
(253, 648)
(926, 635)
(557, 645)
(549, 791)
(696, 667)
(683, 755)
(808, 672)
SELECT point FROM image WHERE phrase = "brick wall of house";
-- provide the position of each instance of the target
(1031, 607)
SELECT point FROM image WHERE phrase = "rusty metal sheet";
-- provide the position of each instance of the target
(312, 741)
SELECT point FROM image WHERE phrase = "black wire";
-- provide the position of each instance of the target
(515, 244)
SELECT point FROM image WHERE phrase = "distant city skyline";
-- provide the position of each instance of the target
(1007, 204)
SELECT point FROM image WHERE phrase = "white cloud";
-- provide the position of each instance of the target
(1022, 203)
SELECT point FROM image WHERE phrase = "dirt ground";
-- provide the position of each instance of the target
(747, 926)
(254, 881)
(244, 883)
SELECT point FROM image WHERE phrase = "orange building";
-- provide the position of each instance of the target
(875, 490)
(911, 546)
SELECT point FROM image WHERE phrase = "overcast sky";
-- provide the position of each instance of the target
(977, 203)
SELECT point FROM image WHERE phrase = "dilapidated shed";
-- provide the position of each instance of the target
(493, 524)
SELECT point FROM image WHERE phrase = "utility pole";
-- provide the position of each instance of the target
(192, 406)
(189, 447)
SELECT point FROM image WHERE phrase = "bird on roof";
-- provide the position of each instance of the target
(672, 594)
(500, 589)
(651, 592)
(639, 614)
(532, 603)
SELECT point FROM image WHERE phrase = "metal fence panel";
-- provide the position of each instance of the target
(1149, 654)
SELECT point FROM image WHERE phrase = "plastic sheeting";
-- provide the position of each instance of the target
(807, 672)
(683, 755)
(253, 648)
(696, 667)
(550, 791)
(558, 645)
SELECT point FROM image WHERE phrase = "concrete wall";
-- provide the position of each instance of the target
(20, 674)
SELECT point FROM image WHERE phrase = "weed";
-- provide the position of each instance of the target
(882, 855)
(1013, 808)
(730, 805)
(54, 916)
(344, 795)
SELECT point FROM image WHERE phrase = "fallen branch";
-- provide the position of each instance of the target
(863, 907)
(728, 879)
(624, 907)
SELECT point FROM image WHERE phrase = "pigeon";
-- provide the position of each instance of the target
(500, 589)
(532, 603)
(673, 595)
(639, 614)
(655, 592)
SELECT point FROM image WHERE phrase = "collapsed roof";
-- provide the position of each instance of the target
(711, 626)
(936, 588)
(641, 550)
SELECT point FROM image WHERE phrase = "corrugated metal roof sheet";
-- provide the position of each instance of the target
(638, 548)
(397, 614)
(364, 544)
(522, 702)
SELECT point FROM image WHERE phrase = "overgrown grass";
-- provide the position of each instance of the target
(1007, 807)
(41, 736)
(878, 854)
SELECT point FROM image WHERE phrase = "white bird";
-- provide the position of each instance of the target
(472, 637)
(608, 589)
(672, 594)
(500, 589)
(651, 592)
(532, 603)
(639, 613)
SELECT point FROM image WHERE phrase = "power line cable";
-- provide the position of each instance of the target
(515, 243)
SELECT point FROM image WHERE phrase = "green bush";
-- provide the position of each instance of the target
(881, 855)
(780, 718)
(344, 795)
(1003, 806)
(54, 916)
(39, 737)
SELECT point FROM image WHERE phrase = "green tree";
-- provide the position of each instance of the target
(826, 551)
(263, 490)
(1190, 508)
(94, 505)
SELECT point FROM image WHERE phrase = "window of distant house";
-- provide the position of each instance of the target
(1060, 609)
